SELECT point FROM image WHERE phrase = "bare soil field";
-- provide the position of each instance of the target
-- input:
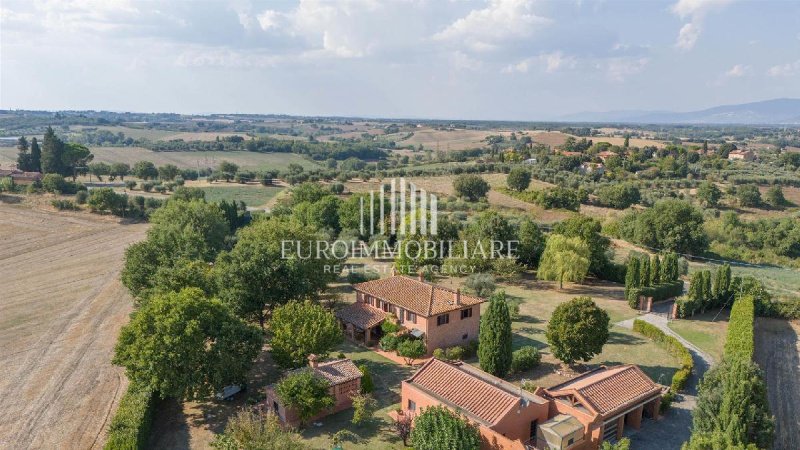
(184, 160)
(61, 308)
(777, 352)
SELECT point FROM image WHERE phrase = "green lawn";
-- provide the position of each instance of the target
(252, 195)
(704, 331)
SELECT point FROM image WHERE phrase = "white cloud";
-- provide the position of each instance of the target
(485, 29)
(461, 60)
(695, 11)
(737, 71)
(268, 19)
(619, 69)
(785, 70)
(549, 62)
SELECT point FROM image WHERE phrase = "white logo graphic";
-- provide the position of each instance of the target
(401, 210)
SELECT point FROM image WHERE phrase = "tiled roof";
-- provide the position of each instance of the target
(338, 371)
(610, 390)
(466, 388)
(361, 315)
(420, 297)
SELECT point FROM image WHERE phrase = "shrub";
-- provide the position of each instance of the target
(389, 342)
(525, 358)
(53, 183)
(455, 353)
(389, 326)
(482, 284)
(367, 385)
(439, 353)
(666, 401)
(439, 428)
(673, 347)
(130, 426)
(411, 349)
(471, 349)
(355, 277)
(659, 292)
(65, 205)
(80, 197)
(147, 186)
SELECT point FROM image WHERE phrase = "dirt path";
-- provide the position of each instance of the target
(777, 352)
(61, 307)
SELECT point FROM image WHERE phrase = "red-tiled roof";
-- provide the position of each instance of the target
(361, 315)
(466, 388)
(422, 298)
(338, 371)
(609, 390)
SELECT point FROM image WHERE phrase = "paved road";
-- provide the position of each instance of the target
(675, 427)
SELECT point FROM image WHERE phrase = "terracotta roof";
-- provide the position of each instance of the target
(466, 388)
(361, 315)
(338, 371)
(609, 390)
(420, 297)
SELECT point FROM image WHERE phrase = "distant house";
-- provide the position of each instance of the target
(530, 161)
(578, 154)
(344, 378)
(20, 177)
(744, 155)
(588, 167)
(604, 155)
(575, 415)
(444, 317)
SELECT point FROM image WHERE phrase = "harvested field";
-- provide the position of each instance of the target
(185, 160)
(60, 312)
(777, 352)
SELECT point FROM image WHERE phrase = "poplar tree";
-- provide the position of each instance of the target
(631, 277)
(644, 271)
(655, 271)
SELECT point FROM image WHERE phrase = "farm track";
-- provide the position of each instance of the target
(61, 307)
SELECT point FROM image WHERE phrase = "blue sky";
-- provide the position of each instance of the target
(498, 59)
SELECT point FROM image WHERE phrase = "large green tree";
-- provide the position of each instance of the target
(470, 186)
(439, 428)
(299, 329)
(184, 345)
(305, 392)
(588, 229)
(145, 170)
(709, 193)
(577, 330)
(494, 349)
(531, 243)
(564, 259)
(673, 225)
(75, 159)
(274, 260)
(52, 153)
(257, 431)
(519, 179)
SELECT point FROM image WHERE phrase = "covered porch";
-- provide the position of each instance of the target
(361, 323)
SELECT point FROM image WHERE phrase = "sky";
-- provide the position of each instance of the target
(495, 59)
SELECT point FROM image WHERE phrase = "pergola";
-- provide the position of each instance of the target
(359, 318)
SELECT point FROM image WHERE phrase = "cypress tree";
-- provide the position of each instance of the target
(696, 288)
(644, 271)
(722, 283)
(631, 278)
(494, 341)
(52, 153)
(655, 271)
(36, 156)
(708, 296)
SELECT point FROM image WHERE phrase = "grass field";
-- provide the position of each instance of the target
(184, 160)
(707, 331)
(61, 309)
(251, 194)
(162, 135)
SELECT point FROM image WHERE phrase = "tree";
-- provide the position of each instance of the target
(589, 230)
(578, 329)
(74, 157)
(472, 187)
(106, 200)
(439, 428)
(257, 431)
(145, 170)
(775, 197)
(655, 271)
(184, 345)
(120, 170)
(168, 172)
(644, 271)
(305, 392)
(262, 271)
(99, 170)
(300, 329)
(632, 278)
(188, 194)
(696, 291)
(36, 156)
(722, 283)
(519, 179)
(670, 270)
(228, 170)
(707, 292)
(54, 183)
(52, 153)
(748, 195)
(482, 284)
(622, 444)
(531, 243)
(402, 426)
(619, 196)
(494, 348)
(674, 225)
(564, 259)
(411, 349)
(709, 193)
(364, 406)
(367, 385)
(23, 157)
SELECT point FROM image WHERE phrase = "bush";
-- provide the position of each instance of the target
(389, 342)
(65, 205)
(130, 426)
(673, 347)
(659, 292)
(130, 184)
(439, 353)
(355, 277)
(367, 385)
(525, 358)
(411, 349)
(471, 349)
(739, 342)
(147, 186)
(81, 196)
(482, 284)
(666, 401)
(53, 183)
(389, 326)
(455, 353)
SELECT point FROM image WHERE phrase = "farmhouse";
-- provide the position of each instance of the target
(744, 155)
(578, 414)
(588, 167)
(344, 378)
(20, 177)
(604, 155)
(442, 316)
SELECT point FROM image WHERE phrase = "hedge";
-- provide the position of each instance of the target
(130, 427)
(659, 292)
(674, 347)
(740, 341)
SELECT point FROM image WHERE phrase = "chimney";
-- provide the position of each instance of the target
(420, 275)
(312, 361)
(458, 296)
(394, 271)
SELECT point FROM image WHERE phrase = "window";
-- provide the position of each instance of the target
(442, 319)
(571, 441)
(411, 405)
(466, 313)
(464, 336)
(411, 317)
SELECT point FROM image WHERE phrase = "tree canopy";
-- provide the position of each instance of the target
(577, 330)
(564, 259)
(305, 392)
(470, 186)
(299, 329)
(494, 349)
(439, 428)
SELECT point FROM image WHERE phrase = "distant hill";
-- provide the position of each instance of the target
(779, 111)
